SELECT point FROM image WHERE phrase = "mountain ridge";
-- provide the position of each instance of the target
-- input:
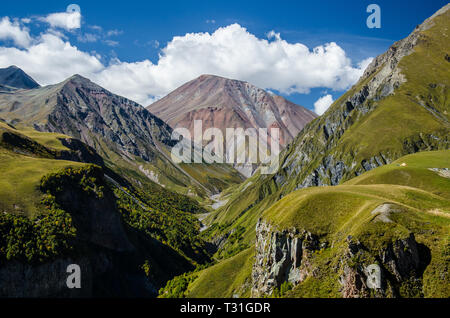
(14, 77)
(127, 135)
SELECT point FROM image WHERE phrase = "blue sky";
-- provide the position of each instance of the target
(140, 30)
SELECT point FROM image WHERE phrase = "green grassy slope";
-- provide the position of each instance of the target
(412, 170)
(21, 169)
(420, 196)
(229, 278)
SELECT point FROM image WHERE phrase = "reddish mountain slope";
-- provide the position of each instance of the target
(226, 103)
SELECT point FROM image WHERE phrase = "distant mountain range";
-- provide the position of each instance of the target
(16, 78)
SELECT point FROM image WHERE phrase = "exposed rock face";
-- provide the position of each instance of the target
(280, 257)
(286, 256)
(400, 262)
(126, 124)
(117, 128)
(14, 77)
(83, 110)
(225, 103)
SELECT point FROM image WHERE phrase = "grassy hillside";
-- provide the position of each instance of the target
(412, 170)
(51, 209)
(22, 169)
(420, 203)
(227, 279)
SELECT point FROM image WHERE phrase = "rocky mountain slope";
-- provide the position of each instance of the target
(14, 77)
(399, 106)
(129, 137)
(224, 103)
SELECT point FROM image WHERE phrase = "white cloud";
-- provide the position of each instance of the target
(322, 104)
(114, 33)
(13, 31)
(65, 20)
(88, 38)
(234, 52)
(229, 51)
(51, 60)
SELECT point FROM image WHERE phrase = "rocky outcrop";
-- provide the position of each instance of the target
(85, 110)
(286, 256)
(401, 262)
(281, 256)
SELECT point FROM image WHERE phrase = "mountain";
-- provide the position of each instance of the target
(400, 106)
(60, 205)
(16, 78)
(224, 103)
(126, 135)
(322, 241)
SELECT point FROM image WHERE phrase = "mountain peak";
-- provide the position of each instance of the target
(77, 78)
(218, 78)
(15, 77)
(212, 76)
(224, 103)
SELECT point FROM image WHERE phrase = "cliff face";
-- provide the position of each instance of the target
(280, 257)
(290, 255)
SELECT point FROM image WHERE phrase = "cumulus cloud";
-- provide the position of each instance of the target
(64, 20)
(234, 52)
(13, 31)
(322, 104)
(51, 60)
(231, 51)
